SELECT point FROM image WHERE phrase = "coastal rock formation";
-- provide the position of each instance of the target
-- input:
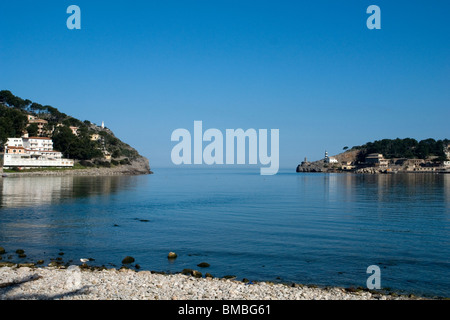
(311, 167)
(387, 156)
(322, 166)
(37, 138)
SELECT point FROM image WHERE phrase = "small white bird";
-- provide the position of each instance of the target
(84, 260)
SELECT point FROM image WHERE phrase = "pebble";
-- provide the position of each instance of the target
(74, 283)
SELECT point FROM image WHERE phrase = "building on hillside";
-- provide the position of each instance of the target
(41, 123)
(14, 142)
(37, 143)
(414, 162)
(330, 159)
(377, 160)
(107, 155)
(348, 166)
(446, 163)
(95, 137)
(74, 130)
(33, 152)
(305, 162)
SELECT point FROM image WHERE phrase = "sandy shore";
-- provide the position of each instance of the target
(75, 283)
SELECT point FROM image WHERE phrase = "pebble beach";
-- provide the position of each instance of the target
(75, 283)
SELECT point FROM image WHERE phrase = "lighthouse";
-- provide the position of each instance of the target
(329, 159)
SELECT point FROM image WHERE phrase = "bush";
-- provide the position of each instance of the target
(125, 161)
(86, 163)
(101, 163)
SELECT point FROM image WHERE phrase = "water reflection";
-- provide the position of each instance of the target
(34, 191)
(447, 190)
(385, 187)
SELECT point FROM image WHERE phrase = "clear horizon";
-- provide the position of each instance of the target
(312, 70)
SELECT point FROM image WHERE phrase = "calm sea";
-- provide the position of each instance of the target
(322, 229)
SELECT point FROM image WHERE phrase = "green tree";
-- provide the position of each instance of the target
(32, 130)
(12, 123)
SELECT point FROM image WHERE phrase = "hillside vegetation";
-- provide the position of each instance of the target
(80, 146)
(404, 148)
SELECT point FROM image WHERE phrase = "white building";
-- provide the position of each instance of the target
(33, 152)
(447, 163)
(37, 143)
(330, 159)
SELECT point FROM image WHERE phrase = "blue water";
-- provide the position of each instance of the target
(322, 229)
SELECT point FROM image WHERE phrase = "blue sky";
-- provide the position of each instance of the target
(311, 69)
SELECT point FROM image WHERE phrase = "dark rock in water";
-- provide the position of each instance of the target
(128, 260)
(203, 265)
(61, 253)
(208, 275)
(40, 262)
(137, 266)
(115, 225)
(196, 274)
(172, 255)
(2, 250)
(20, 251)
(22, 255)
(229, 277)
(187, 272)
(245, 280)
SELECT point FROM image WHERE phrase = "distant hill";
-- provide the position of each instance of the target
(90, 144)
(430, 152)
(404, 148)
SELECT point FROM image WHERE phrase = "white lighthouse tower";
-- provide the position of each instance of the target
(329, 159)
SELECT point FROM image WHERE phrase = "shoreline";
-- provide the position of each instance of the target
(77, 172)
(137, 167)
(26, 282)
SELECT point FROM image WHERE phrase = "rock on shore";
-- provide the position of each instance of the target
(74, 283)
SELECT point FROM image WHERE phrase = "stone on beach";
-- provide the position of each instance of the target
(112, 284)
(196, 274)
